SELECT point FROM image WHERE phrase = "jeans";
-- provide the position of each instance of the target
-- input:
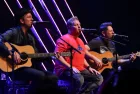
(41, 81)
(82, 83)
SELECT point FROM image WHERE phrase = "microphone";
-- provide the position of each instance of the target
(36, 22)
(121, 35)
(85, 29)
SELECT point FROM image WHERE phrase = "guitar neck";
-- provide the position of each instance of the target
(119, 57)
(44, 55)
(40, 55)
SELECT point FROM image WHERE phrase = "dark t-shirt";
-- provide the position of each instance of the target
(100, 45)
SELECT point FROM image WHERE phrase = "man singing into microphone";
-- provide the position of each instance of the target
(42, 81)
(104, 43)
(85, 78)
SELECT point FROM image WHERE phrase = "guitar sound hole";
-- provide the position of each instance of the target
(23, 56)
(105, 60)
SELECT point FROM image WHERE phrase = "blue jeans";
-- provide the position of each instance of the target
(84, 82)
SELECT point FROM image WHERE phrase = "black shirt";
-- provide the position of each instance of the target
(101, 45)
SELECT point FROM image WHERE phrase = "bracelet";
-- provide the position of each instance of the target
(88, 67)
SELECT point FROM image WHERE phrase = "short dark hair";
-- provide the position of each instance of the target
(70, 21)
(103, 26)
(20, 13)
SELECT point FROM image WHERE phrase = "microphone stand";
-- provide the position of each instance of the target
(115, 73)
(71, 57)
(13, 65)
(13, 74)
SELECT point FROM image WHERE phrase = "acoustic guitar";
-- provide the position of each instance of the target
(27, 53)
(107, 58)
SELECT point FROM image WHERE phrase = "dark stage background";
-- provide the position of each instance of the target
(124, 14)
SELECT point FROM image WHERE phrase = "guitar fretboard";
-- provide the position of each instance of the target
(44, 55)
(119, 57)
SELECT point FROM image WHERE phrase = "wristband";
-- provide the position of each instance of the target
(88, 67)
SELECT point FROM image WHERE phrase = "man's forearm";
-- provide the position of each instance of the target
(63, 61)
(92, 56)
(86, 63)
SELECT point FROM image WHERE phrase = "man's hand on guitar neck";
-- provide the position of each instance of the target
(131, 59)
(15, 55)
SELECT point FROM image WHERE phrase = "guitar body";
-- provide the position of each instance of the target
(107, 54)
(6, 63)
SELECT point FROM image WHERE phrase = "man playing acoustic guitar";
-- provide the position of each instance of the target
(41, 81)
(103, 45)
